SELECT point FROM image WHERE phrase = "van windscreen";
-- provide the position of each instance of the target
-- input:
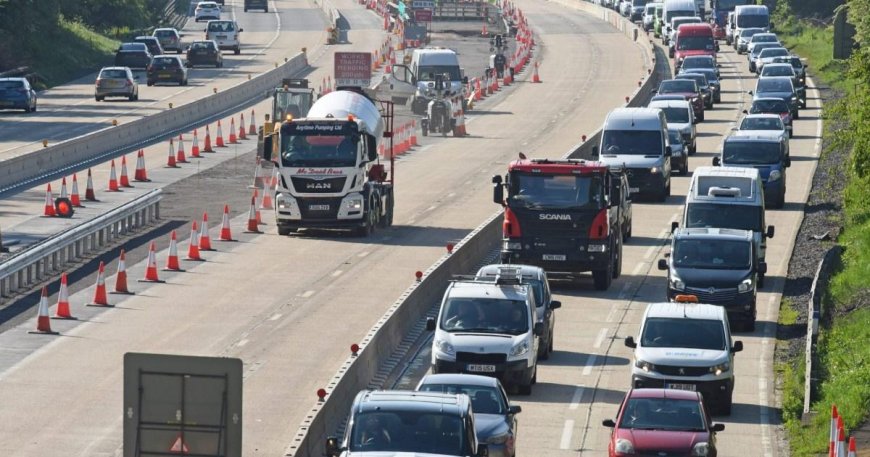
(753, 20)
(707, 182)
(724, 215)
(633, 142)
(428, 72)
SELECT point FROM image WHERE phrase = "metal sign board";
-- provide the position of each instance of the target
(422, 16)
(182, 405)
(423, 4)
(353, 69)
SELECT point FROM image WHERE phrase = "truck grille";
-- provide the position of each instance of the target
(318, 185)
(713, 296)
(319, 208)
(670, 370)
(473, 357)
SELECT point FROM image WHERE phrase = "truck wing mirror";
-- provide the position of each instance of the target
(770, 231)
(497, 190)
(629, 342)
(762, 268)
(594, 151)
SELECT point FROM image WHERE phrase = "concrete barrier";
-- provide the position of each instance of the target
(41, 166)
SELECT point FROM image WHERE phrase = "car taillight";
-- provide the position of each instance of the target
(150, 67)
(97, 83)
(129, 83)
(600, 227)
(511, 226)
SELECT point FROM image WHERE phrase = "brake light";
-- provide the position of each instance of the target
(600, 227)
(511, 226)
(129, 83)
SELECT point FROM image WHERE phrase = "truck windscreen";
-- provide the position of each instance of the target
(722, 254)
(716, 215)
(314, 149)
(538, 191)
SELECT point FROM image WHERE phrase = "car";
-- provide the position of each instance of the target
(770, 123)
(537, 278)
(752, 56)
(774, 69)
(257, 4)
(712, 79)
(152, 43)
(767, 55)
(133, 55)
(225, 34)
(637, 10)
(681, 118)
(766, 151)
(778, 87)
(207, 11)
(17, 93)
(679, 151)
(762, 37)
(687, 87)
(776, 106)
(703, 85)
(662, 422)
(800, 68)
(169, 38)
(204, 52)
(741, 44)
(495, 419)
(700, 62)
(625, 8)
(116, 82)
(166, 68)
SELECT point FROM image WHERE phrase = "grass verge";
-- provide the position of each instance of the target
(69, 51)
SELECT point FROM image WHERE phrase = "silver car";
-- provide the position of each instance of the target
(116, 82)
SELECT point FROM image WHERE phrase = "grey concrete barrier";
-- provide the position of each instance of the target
(43, 165)
(355, 374)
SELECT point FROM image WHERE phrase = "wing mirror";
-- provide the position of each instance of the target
(663, 264)
(717, 162)
(668, 151)
(594, 152)
(629, 342)
(674, 225)
(770, 231)
(762, 268)
(555, 304)
(539, 328)
(738, 346)
(430, 324)
(497, 190)
(608, 423)
(718, 427)
(515, 409)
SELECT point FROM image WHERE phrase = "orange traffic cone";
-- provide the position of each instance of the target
(535, 77)
(414, 133)
(204, 238)
(266, 203)
(170, 160)
(274, 183)
(233, 139)
(74, 196)
(125, 180)
(179, 155)
(252, 129)
(141, 174)
(193, 246)
(151, 269)
(121, 276)
(207, 146)
(252, 217)
(219, 142)
(62, 311)
(484, 32)
(113, 179)
(100, 298)
(49, 203)
(43, 322)
(194, 147)
(257, 208)
(89, 189)
(242, 134)
(258, 177)
(226, 234)
(172, 263)
(63, 193)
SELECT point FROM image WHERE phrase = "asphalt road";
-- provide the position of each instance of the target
(291, 306)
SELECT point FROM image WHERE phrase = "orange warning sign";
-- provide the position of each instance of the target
(179, 447)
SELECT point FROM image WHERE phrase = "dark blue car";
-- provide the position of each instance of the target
(764, 151)
(16, 93)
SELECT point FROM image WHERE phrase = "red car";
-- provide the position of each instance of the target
(662, 422)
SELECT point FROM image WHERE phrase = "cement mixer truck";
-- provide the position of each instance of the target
(330, 173)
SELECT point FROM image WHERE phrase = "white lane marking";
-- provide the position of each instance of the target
(242, 342)
(764, 415)
(275, 317)
(578, 396)
(611, 316)
(600, 339)
(624, 292)
(567, 431)
(649, 252)
(451, 195)
(363, 254)
(431, 207)
(637, 269)
(307, 293)
(664, 233)
(337, 273)
(590, 362)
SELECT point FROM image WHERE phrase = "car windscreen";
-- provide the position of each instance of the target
(751, 153)
(769, 106)
(698, 62)
(408, 431)
(676, 115)
(538, 191)
(764, 38)
(632, 142)
(777, 70)
(665, 332)
(724, 215)
(677, 13)
(113, 74)
(484, 399)
(761, 123)
(753, 20)
(11, 84)
(677, 22)
(717, 255)
(663, 414)
(761, 47)
(677, 86)
(201, 45)
(700, 79)
(749, 33)
(773, 85)
(165, 62)
(675, 137)
(772, 52)
(695, 43)
(485, 315)
(164, 33)
(428, 72)
(133, 47)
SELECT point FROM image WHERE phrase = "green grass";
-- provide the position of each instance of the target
(787, 314)
(69, 51)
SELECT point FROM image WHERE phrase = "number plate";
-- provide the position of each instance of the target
(221, 37)
(634, 189)
(164, 76)
(557, 257)
(318, 207)
(690, 387)
(482, 368)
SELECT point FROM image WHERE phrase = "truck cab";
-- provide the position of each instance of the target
(560, 215)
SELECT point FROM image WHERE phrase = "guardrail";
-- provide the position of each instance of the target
(46, 164)
(31, 265)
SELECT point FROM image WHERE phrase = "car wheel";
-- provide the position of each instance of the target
(149, 83)
(797, 114)
(701, 116)
(725, 406)
(99, 99)
(237, 51)
(791, 133)
(131, 98)
(543, 353)
(693, 149)
(684, 170)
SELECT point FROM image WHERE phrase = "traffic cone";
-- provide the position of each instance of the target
(274, 184)
(207, 146)
(125, 180)
(121, 276)
(113, 179)
(414, 133)
(49, 203)
(252, 216)
(252, 129)
(74, 196)
(267, 199)
(459, 131)
(258, 177)
(89, 188)
(257, 208)
(204, 238)
(484, 32)
(43, 322)
(193, 245)
(172, 263)
(242, 134)
(219, 141)
(100, 298)
(226, 234)
(233, 139)
(62, 311)
(151, 269)
(194, 147)
(141, 174)
(179, 154)
(63, 193)
(535, 77)
(170, 160)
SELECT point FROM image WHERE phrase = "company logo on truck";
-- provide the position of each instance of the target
(554, 217)
(318, 185)
(318, 171)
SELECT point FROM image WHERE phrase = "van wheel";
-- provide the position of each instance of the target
(284, 231)
(760, 281)
(725, 406)
(237, 51)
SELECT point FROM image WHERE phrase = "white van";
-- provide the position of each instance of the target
(225, 33)
(637, 139)
(676, 8)
(415, 81)
(751, 16)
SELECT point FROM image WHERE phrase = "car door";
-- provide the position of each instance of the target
(400, 85)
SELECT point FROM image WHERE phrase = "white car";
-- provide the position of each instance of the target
(761, 38)
(768, 123)
(206, 11)
(225, 34)
(766, 56)
(741, 41)
(649, 14)
(625, 8)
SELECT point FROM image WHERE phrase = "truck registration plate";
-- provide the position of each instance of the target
(558, 257)
(482, 368)
(690, 387)
(318, 207)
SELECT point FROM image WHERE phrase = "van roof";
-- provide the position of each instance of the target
(685, 311)
(487, 289)
(695, 29)
(629, 117)
(712, 233)
(750, 9)
(409, 400)
(679, 4)
(726, 182)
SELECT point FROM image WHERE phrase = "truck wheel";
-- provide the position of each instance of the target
(371, 220)
(603, 278)
(387, 219)
(284, 231)
(617, 269)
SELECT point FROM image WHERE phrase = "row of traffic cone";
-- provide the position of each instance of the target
(404, 139)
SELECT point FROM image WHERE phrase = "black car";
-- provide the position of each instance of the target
(204, 52)
(133, 55)
(152, 43)
(257, 4)
(164, 69)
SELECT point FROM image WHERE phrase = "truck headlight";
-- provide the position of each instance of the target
(775, 175)
(644, 365)
(512, 245)
(624, 446)
(721, 368)
(745, 286)
(701, 449)
(285, 202)
(677, 283)
(445, 347)
(596, 248)
(655, 170)
(520, 348)
(354, 204)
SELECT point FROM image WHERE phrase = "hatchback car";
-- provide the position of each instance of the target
(662, 422)
(763, 37)
(204, 53)
(770, 123)
(767, 55)
(495, 419)
(16, 93)
(741, 44)
(775, 106)
(685, 87)
(752, 56)
(712, 79)
(800, 68)
(695, 62)
(152, 43)
(703, 85)
(165, 69)
(778, 87)
(679, 151)
(207, 11)
(169, 39)
(133, 55)
(116, 82)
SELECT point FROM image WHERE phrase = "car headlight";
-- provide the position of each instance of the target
(512, 245)
(644, 365)
(721, 368)
(624, 446)
(794, 97)
(775, 175)
(745, 286)
(520, 348)
(677, 283)
(498, 439)
(701, 449)
(654, 170)
(596, 248)
(445, 347)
